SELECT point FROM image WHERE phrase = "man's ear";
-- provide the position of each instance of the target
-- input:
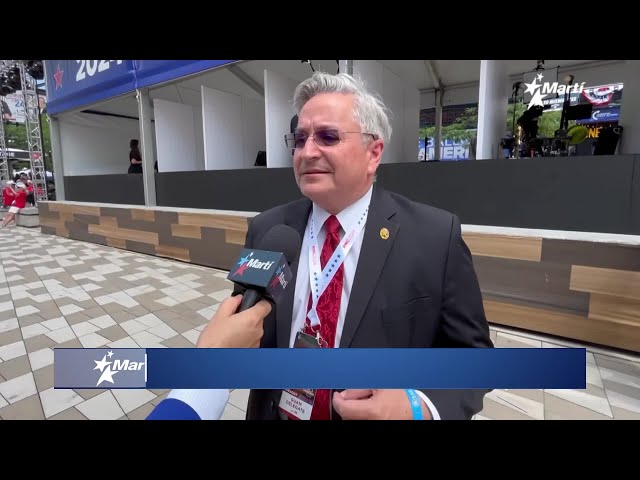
(375, 150)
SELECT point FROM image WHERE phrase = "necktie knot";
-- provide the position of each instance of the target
(332, 226)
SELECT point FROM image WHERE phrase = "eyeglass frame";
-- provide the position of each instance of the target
(291, 137)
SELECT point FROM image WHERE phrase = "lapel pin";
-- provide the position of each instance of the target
(384, 233)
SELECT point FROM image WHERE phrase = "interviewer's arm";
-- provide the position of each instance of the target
(226, 329)
(191, 405)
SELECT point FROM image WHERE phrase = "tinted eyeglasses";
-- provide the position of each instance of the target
(322, 138)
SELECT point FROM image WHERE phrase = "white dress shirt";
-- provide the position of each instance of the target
(347, 218)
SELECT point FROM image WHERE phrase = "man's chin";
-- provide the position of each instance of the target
(315, 190)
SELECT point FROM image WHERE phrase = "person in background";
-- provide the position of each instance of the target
(8, 194)
(18, 204)
(135, 157)
(30, 194)
(7, 115)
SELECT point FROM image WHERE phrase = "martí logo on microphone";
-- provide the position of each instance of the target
(250, 262)
(279, 279)
(266, 271)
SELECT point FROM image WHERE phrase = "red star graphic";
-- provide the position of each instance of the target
(242, 268)
(58, 77)
(274, 282)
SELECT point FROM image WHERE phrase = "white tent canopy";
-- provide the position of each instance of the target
(224, 117)
(425, 75)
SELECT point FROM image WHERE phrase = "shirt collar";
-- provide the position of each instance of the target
(346, 217)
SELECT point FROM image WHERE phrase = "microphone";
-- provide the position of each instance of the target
(265, 272)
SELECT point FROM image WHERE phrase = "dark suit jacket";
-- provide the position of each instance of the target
(417, 289)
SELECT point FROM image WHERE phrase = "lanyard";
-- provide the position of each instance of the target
(320, 280)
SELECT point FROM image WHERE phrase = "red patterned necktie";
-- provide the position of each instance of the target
(328, 309)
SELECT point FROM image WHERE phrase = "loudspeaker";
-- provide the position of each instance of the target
(608, 140)
(261, 159)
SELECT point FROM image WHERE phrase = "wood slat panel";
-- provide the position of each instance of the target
(44, 212)
(109, 221)
(519, 248)
(170, 251)
(619, 283)
(147, 215)
(591, 254)
(539, 284)
(117, 242)
(214, 221)
(579, 290)
(613, 334)
(235, 236)
(125, 233)
(615, 309)
(52, 222)
(67, 208)
(187, 231)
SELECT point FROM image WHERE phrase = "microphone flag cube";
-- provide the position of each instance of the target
(262, 270)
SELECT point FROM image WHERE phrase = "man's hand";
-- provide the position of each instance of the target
(375, 405)
(228, 329)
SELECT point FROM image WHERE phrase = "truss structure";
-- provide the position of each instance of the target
(33, 125)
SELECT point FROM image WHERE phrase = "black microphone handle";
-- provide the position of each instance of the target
(249, 298)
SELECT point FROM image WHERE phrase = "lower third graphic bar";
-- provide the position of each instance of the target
(280, 368)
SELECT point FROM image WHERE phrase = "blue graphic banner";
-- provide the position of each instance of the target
(76, 83)
(152, 72)
(449, 150)
(601, 115)
(437, 368)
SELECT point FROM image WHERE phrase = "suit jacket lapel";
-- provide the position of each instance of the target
(296, 218)
(376, 245)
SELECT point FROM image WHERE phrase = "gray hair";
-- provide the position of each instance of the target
(369, 110)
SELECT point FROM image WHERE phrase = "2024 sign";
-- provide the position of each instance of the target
(91, 67)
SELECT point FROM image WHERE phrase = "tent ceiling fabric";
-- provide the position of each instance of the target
(414, 72)
(462, 72)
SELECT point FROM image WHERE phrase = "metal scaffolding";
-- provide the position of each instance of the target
(4, 155)
(33, 125)
(34, 133)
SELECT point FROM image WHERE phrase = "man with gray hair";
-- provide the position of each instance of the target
(405, 278)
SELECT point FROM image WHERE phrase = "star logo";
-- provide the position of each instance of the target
(242, 268)
(534, 89)
(245, 259)
(58, 77)
(101, 364)
(105, 368)
(244, 264)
